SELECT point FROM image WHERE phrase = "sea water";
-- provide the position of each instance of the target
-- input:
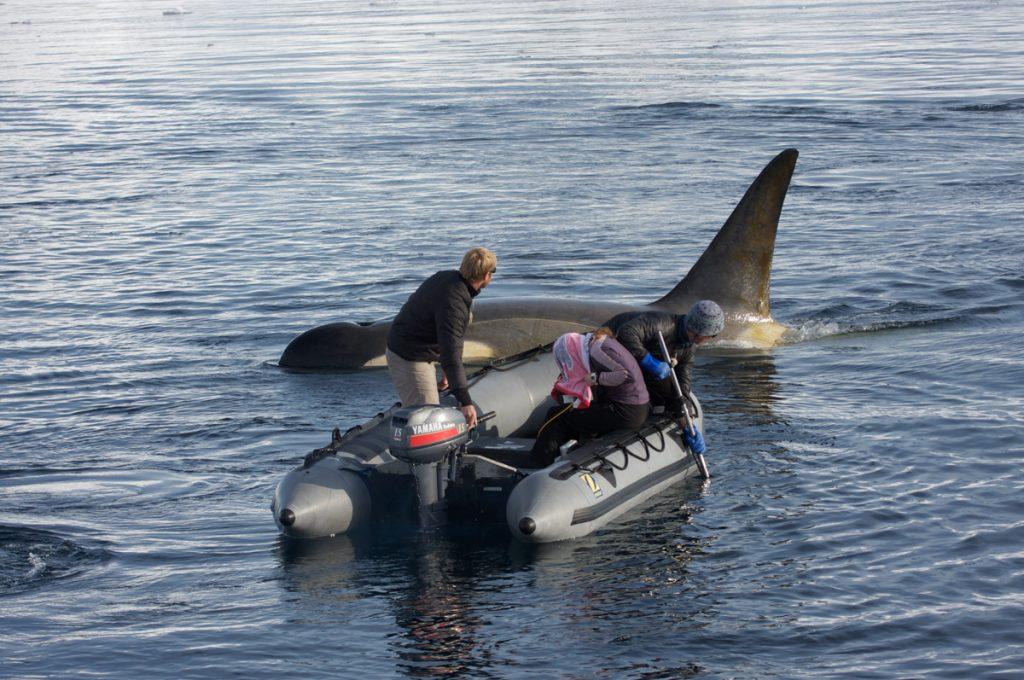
(185, 188)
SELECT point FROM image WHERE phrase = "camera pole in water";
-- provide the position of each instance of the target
(688, 424)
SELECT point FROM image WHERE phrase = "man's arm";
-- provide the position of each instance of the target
(684, 357)
(631, 336)
(451, 328)
(641, 333)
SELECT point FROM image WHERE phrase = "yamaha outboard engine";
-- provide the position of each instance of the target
(429, 438)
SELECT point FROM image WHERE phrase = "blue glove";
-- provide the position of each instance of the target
(659, 369)
(694, 441)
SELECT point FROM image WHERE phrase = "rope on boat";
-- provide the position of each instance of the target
(553, 419)
(623, 446)
(338, 438)
(501, 365)
(648, 447)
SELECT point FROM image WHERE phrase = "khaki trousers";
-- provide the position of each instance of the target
(415, 381)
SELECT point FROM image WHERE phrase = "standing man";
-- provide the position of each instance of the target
(638, 333)
(430, 327)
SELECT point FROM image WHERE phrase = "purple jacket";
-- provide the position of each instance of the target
(617, 373)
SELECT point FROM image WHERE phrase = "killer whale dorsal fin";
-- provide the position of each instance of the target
(735, 269)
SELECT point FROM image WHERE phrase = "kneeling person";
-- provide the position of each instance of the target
(620, 399)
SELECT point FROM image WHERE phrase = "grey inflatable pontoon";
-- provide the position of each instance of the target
(424, 460)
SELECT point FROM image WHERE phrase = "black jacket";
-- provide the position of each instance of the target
(431, 325)
(638, 332)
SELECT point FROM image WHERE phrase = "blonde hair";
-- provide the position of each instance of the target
(604, 332)
(477, 263)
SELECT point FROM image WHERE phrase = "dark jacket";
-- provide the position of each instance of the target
(618, 374)
(638, 333)
(431, 325)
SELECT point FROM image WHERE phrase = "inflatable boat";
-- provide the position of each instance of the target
(425, 461)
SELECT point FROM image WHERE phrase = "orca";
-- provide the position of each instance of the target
(734, 271)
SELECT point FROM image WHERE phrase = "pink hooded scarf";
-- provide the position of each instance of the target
(572, 355)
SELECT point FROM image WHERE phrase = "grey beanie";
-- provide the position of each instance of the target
(705, 318)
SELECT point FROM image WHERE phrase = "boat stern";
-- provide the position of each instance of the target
(323, 499)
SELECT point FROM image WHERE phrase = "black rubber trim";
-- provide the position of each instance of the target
(636, 488)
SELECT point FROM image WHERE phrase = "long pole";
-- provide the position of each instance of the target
(699, 457)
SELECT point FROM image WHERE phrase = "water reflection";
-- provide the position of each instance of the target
(430, 581)
(437, 614)
(468, 601)
(739, 382)
(317, 566)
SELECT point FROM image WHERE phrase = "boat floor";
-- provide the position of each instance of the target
(511, 451)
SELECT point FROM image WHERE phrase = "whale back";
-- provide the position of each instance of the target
(734, 270)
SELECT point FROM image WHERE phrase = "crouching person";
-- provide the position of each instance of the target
(607, 388)
(638, 332)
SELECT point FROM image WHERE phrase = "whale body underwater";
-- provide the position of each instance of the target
(734, 271)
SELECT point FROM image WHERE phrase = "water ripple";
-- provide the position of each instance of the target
(184, 194)
(34, 558)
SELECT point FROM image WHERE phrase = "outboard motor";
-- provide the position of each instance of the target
(429, 438)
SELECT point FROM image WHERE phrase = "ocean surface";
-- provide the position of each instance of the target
(185, 189)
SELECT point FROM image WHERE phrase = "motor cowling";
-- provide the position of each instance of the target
(427, 434)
